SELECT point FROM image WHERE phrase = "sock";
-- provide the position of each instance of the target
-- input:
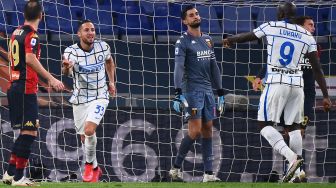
(207, 154)
(12, 165)
(183, 151)
(295, 144)
(22, 148)
(90, 149)
(276, 140)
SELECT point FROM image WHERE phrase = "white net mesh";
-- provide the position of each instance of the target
(140, 134)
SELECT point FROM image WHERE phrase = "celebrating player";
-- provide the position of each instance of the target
(309, 91)
(288, 44)
(24, 55)
(86, 62)
(195, 71)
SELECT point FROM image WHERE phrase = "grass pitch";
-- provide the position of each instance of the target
(183, 185)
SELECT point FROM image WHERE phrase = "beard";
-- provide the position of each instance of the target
(195, 25)
(87, 42)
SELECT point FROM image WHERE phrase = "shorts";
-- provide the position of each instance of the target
(92, 111)
(23, 108)
(277, 99)
(201, 105)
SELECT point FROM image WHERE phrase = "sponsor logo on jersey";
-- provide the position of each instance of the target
(91, 68)
(285, 71)
(203, 55)
(304, 64)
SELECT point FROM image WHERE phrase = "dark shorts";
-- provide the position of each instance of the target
(23, 108)
(201, 105)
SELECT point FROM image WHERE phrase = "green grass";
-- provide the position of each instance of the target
(183, 185)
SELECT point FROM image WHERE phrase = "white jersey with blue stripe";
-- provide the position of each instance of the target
(287, 45)
(89, 78)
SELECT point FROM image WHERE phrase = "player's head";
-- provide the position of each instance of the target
(86, 32)
(190, 17)
(306, 22)
(33, 10)
(286, 11)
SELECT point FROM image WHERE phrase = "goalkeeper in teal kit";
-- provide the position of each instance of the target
(196, 73)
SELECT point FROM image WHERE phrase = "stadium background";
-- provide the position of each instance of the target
(142, 36)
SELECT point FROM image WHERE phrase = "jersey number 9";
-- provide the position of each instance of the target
(14, 52)
(286, 57)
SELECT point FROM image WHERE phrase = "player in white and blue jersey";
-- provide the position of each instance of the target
(86, 61)
(288, 45)
(195, 74)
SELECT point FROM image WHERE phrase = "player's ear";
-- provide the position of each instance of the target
(184, 21)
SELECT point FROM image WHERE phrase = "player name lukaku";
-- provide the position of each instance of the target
(292, 34)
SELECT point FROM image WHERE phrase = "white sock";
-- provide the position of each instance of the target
(295, 143)
(90, 149)
(276, 140)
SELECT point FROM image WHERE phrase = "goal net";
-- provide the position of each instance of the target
(140, 134)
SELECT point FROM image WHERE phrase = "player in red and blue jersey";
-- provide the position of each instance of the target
(24, 54)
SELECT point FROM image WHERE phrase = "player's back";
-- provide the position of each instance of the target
(287, 46)
(24, 40)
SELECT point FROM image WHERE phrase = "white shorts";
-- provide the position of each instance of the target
(92, 111)
(278, 98)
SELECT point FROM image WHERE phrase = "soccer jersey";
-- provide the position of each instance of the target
(24, 40)
(89, 78)
(197, 55)
(287, 46)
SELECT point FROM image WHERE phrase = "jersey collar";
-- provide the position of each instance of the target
(79, 45)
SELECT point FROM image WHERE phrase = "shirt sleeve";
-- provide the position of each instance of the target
(32, 43)
(179, 63)
(261, 30)
(215, 70)
(312, 47)
(107, 50)
(69, 55)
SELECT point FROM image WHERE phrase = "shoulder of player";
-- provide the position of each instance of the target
(101, 44)
(206, 36)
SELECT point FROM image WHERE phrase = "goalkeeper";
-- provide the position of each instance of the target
(196, 71)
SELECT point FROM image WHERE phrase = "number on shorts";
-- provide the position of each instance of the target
(99, 110)
(286, 58)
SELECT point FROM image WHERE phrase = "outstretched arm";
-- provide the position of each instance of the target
(240, 38)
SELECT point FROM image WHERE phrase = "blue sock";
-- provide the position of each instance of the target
(207, 154)
(183, 151)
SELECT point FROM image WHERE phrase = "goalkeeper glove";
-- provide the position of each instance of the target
(220, 100)
(179, 102)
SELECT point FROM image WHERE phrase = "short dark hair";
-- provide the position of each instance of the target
(32, 10)
(286, 10)
(83, 22)
(301, 19)
(184, 11)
